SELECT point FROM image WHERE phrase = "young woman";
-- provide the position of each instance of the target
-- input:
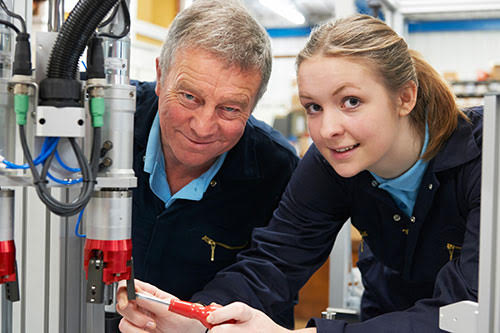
(391, 151)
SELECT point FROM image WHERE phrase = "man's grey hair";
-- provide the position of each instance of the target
(225, 29)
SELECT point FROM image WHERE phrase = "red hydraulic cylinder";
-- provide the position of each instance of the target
(7, 261)
(115, 256)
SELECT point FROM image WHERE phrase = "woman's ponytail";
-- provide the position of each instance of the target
(435, 103)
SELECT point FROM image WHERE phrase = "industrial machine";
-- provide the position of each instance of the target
(65, 164)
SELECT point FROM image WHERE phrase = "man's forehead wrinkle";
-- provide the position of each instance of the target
(240, 94)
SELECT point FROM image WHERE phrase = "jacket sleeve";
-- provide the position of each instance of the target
(297, 241)
(456, 281)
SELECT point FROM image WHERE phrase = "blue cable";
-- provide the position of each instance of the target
(45, 152)
(49, 144)
(64, 182)
(64, 164)
(77, 226)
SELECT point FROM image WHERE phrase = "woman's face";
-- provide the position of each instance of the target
(355, 122)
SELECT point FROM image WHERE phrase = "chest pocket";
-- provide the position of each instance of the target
(213, 245)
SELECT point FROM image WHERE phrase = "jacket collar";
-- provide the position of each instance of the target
(463, 145)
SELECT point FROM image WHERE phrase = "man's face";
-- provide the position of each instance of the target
(203, 108)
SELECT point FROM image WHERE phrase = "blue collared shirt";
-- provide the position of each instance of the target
(403, 189)
(154, 164)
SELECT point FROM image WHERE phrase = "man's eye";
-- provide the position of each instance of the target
(351, 102)
(312, 108)
(229, 109)
(189, 97)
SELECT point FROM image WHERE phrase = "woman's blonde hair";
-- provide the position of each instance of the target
(367, 39)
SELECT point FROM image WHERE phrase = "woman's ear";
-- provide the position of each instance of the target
(407, 98)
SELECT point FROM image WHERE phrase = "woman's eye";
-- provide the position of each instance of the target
(312, 108)
(351, 102)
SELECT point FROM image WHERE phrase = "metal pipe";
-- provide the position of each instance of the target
(56, 15)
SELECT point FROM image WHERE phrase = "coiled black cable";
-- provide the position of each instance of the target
(111, 16)
(126, 27)
(74, 35)
(88, 173)
(10, 25)
(14, 15)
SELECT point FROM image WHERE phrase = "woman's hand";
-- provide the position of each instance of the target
(247, 320)
(141, 316)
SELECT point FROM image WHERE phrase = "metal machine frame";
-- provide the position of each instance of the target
(467, 316)
(52, 279)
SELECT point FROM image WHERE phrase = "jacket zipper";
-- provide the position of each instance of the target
(451, 248)
(363, 235)
(213, 244)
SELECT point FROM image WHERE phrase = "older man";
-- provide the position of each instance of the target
(208, 172)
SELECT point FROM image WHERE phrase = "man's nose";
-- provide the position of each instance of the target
(332, 123)
(204, 122)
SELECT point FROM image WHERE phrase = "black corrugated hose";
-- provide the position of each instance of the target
(74, 35)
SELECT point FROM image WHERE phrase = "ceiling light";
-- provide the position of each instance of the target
(286, 9)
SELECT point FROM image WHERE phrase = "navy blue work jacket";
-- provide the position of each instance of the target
(181, 248)
(416, 264)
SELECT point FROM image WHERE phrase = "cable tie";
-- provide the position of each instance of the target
(36, 182)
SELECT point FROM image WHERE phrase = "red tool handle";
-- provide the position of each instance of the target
(195, 311)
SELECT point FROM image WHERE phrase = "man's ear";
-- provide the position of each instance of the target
(158, 77)
(407, 98)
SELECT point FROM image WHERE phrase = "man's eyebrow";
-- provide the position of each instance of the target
(182, 84)
(240, 99)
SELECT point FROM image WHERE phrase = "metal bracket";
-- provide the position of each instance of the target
(95, 285)
(12, 289)
(459, 317)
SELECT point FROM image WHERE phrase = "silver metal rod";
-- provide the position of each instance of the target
(153, 298)
(56, 15)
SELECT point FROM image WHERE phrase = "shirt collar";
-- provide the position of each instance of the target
(409, 180)
(154, 164)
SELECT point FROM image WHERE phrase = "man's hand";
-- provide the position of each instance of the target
(247, 320)
(141, 316)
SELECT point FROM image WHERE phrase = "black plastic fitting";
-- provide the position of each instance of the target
(95, 59)
(60, 92)
(22, 55)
